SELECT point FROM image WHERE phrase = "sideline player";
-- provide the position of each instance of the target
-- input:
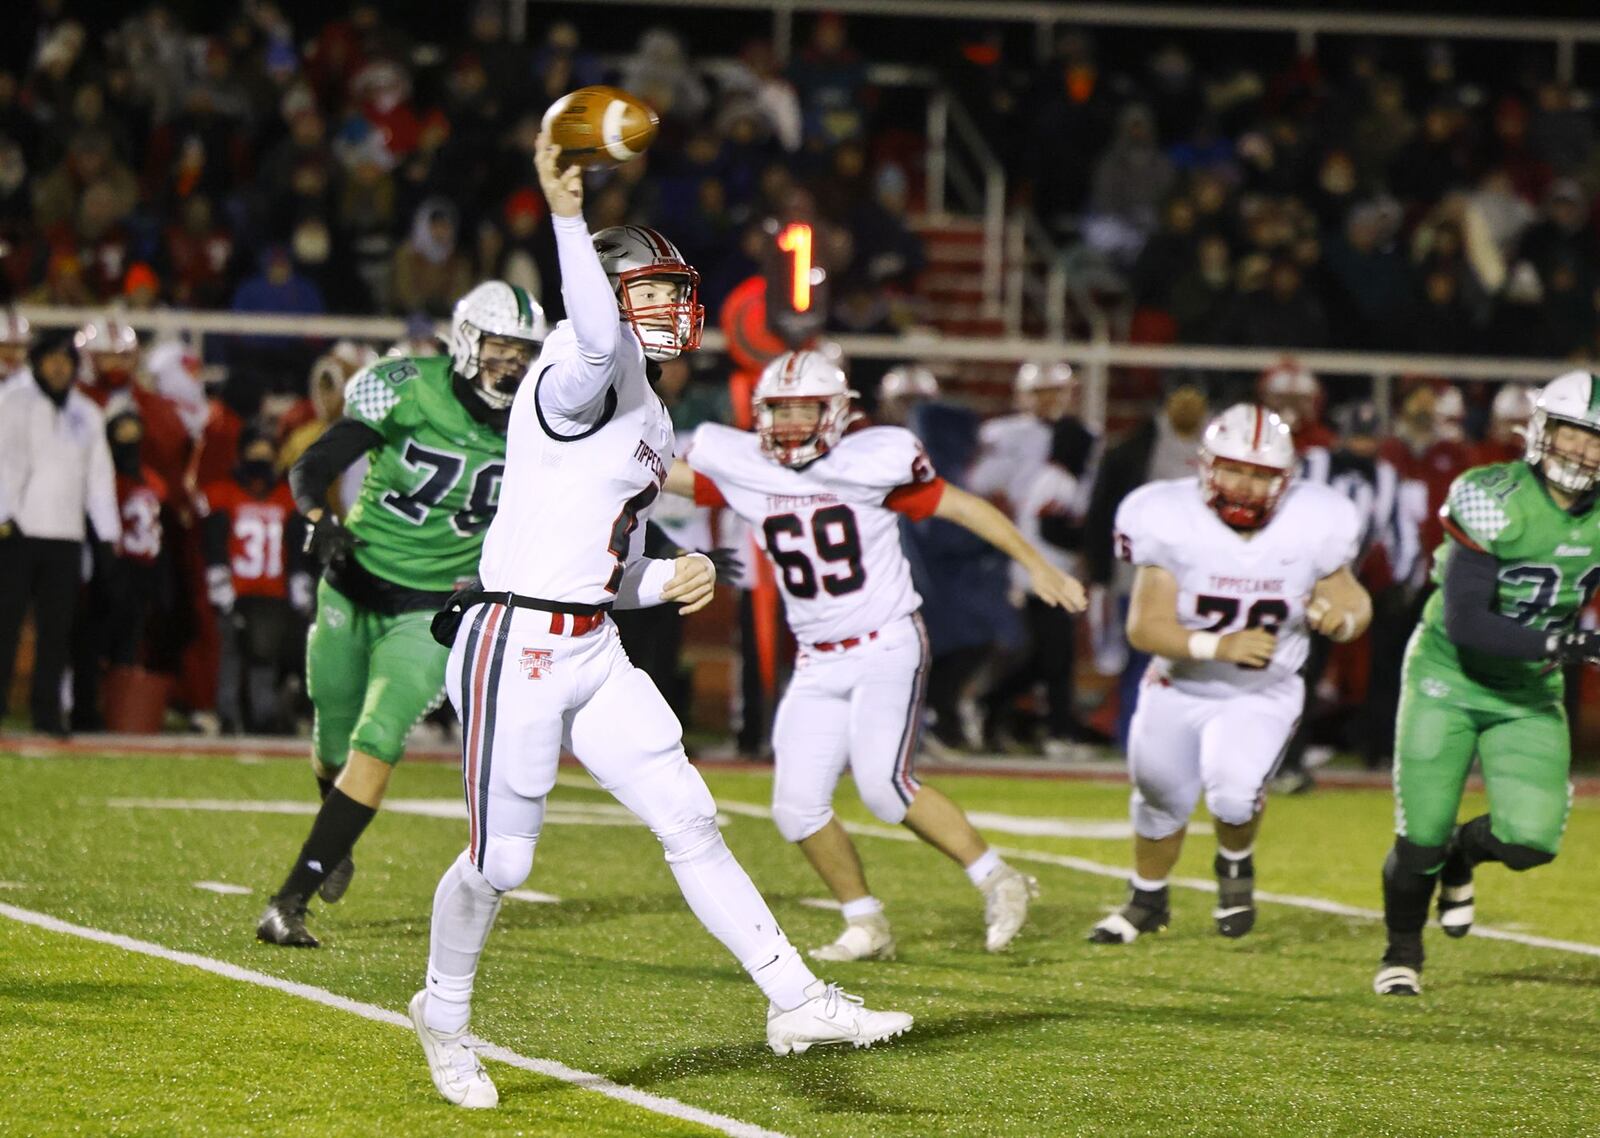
(1234, 569)
(536, 665)
(435, 428)
(1482, 674)
(825, 492)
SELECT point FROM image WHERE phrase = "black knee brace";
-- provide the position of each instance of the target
(1413, 860)
(1478, 842)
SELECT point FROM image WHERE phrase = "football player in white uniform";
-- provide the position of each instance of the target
(825, 502)
(536, 666)
(1234, 570)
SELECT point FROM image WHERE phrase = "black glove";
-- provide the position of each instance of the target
(328, 541)
(1576, 647)
(730, 567)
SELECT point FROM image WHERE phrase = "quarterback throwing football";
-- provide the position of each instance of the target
(1235, 569)
(824, 492)
(536, 667)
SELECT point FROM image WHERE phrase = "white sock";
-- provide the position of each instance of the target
(861, 907)
(464, 908)
(1145, 885)
(722, 895)
(1236, 855)
(987, 862)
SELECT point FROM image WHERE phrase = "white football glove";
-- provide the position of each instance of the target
(219, 587)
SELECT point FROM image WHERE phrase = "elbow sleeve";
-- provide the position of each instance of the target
(1471, 580)
(326, 459)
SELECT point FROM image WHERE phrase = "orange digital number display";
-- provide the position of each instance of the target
(796, 239)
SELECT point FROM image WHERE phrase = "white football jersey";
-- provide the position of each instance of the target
(1227, 581)
(1012, 451)
(831, 529)
(573, 506)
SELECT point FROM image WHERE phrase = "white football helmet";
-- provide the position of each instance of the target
(1450, 414)
(498, 309)
(908, 381)
(1291, 392)
(802, 377)
(1512, 408)
(108, 351)
(1574, 399)
(630, 253)
(1033, 377)
(1250, 435)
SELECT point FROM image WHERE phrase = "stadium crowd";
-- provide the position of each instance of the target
(347, 168)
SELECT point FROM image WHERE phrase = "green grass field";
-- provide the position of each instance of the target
(1187, 1034)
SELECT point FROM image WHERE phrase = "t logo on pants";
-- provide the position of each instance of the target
(536, 662)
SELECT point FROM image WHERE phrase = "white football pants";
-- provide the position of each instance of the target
(524, 692)
(859, 707)
(1182, 745)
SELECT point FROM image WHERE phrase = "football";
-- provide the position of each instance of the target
(600, 126)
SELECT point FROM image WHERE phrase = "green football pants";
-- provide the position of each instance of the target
(371, 678)
(1520, 736)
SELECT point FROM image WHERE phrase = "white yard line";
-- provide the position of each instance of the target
(222, 887)
(611, 814)
(1100, 869)
(656, 1104)
(534, 896)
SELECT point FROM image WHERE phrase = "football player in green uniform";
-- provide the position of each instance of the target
(434, 431)
(1483, 674)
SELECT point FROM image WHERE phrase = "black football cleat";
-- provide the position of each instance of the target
(334, 885)
(1235, 913)
(1455, 890)
(1145, 912)
(284, 922)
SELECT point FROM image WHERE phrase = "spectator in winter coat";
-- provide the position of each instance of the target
(55, 469)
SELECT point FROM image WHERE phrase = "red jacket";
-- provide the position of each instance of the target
(139, 500)
(257, 538)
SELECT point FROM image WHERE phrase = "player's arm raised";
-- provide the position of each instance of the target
(972, 513)
(575, 384)
(1339, 608)
(1153, 627)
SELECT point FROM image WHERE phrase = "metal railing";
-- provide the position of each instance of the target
(1047, 15)
(979, 180)
(1095, 358)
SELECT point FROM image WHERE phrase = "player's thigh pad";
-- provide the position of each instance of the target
(1526, 766)
(336, 674)
(1435, 740)
(627, 737)
(1164, 760)
(511, 684)
(405, 681)
(886, 705)
(810, 745)
(1241, 744)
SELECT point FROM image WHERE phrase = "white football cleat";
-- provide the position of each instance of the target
(866, 938)
(830, 1015)
(1006, 893)
(1397, 980)
(453, 1062)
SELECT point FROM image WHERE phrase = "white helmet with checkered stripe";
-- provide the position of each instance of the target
(1574, 399)
(506, 311)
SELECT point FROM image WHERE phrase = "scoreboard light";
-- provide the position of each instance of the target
(797, 304)
(796, 240)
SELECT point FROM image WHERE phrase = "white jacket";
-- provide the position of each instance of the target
(55, 465)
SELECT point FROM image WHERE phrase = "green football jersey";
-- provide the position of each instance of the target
(1549, 562)
(433, 485)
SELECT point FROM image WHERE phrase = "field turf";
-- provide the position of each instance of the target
(1186, 1034)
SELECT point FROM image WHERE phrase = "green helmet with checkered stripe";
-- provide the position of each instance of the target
(502, 310)
(1574, 399)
